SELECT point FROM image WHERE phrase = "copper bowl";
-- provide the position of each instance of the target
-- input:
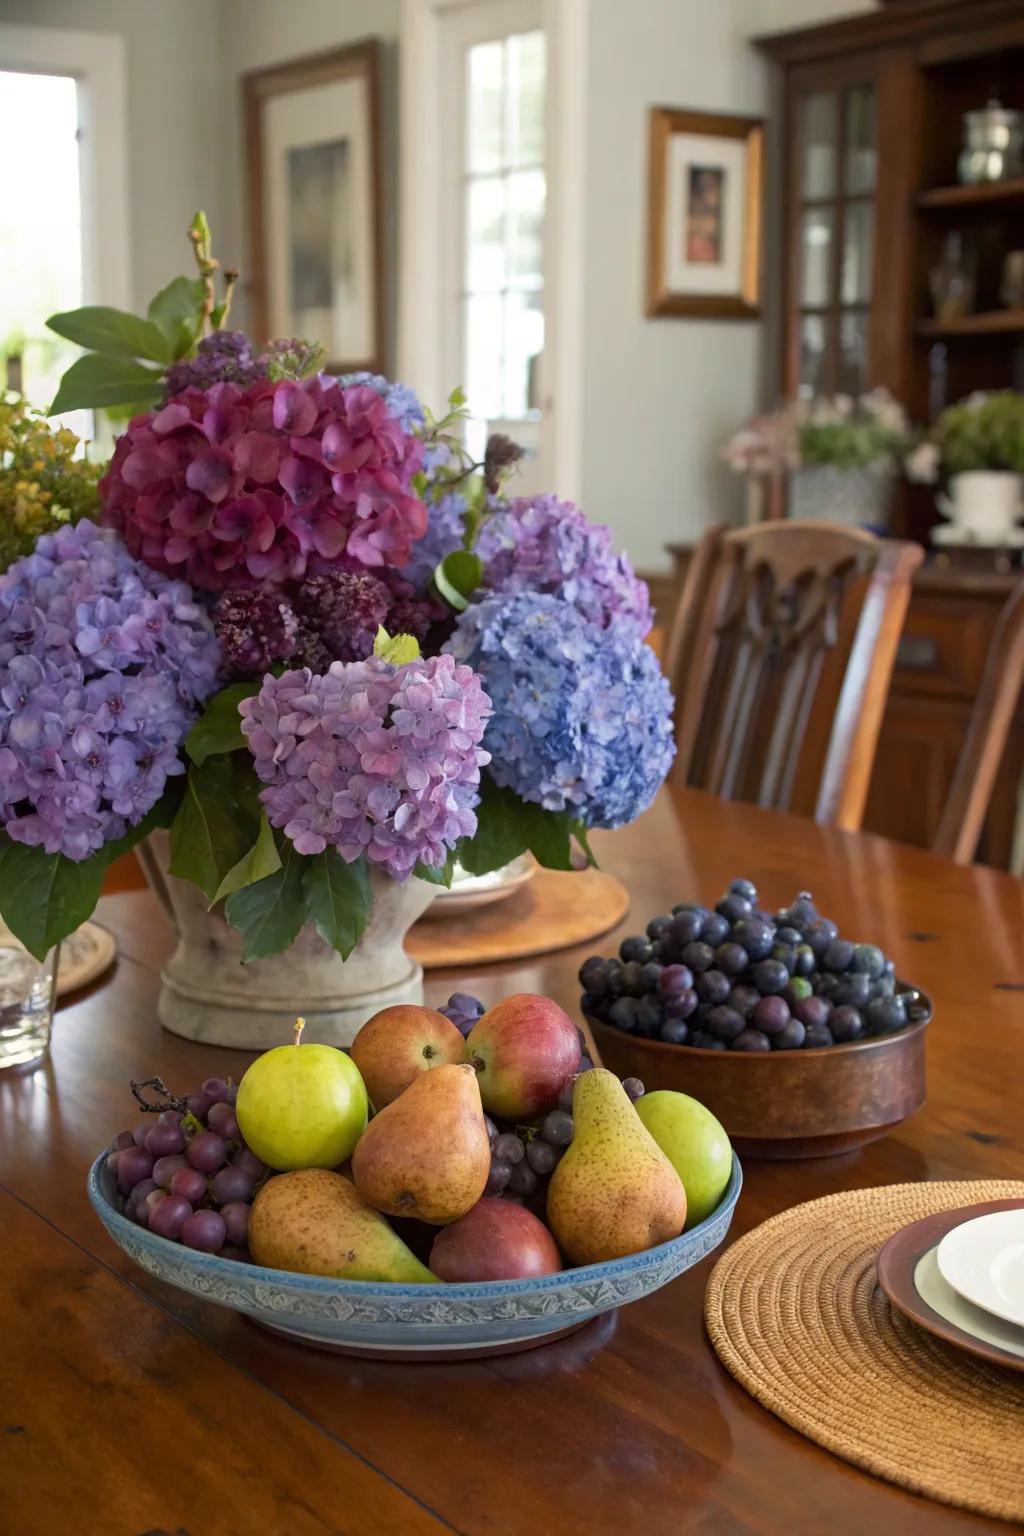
(787, 1104)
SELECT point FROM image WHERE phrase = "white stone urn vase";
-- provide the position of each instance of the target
(988, 502)
(207, 993)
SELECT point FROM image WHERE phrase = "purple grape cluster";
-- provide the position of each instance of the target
(741, 978)
(523, 1157)
(187, 1174)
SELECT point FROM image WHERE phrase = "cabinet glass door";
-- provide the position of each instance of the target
(836, 163)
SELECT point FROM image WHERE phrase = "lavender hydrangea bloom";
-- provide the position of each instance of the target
(371, 758)
(444, 533)
(547, 545)
(225, 357)
(582, 716)
(402, 401)
(102, 664)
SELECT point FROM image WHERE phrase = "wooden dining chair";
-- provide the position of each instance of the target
(780, 655)
(998, 700)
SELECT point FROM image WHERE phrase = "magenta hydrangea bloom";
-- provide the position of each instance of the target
(372, 759)
(230, 487)
(546, 545)
(102, 665)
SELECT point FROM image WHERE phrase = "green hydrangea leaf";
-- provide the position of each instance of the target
(337, 899)
(96, 381)
(113, 332)
(399, 650)
(177, 310)
(45, 896)
(436, 876)
(579, 832)
(270, 913)
(457, 577)
(158, 816)
(508, 826)
(212, 830)
(219, 727)
(261, 860)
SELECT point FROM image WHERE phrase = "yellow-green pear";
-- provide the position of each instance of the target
(614, 1192)
(427, 1154)
(302, 1106)
(314, 1222)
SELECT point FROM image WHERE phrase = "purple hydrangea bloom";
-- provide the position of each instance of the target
(444, 533)
(102, 665)
(371, 758)
(401, 400)
(226, 357)
(582, 716)
(546, 545)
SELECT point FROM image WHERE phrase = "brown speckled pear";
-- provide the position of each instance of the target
(315, 1222)
(427, 1154)
(614, 1192)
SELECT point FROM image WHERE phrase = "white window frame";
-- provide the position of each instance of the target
(429, 245)
(96, 61)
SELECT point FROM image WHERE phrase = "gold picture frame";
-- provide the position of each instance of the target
(705, 174)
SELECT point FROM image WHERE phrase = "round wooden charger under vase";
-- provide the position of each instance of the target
(786, 1104)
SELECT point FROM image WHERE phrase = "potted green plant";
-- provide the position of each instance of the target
(977, 447)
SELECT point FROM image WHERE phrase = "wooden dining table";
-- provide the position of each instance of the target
(128, 1408)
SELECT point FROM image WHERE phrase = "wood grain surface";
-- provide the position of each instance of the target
(129, 1405)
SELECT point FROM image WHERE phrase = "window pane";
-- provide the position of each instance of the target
(819, 146)
(858, 253)
(485, 235)
(485, 106)
(861, 146)
(525, 62)
(812, 354)
(816, 268)
(484, 354)
(524, 342)
(853, 353)
(526, 228)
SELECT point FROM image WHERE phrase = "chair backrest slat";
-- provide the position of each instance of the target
(781, 654)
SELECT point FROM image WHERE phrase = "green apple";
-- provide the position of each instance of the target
(694, 1143)
(302, 1106)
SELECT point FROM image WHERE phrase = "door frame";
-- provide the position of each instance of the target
(425, 235)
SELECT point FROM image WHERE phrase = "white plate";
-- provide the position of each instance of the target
(942, 1298)
(983, 1260)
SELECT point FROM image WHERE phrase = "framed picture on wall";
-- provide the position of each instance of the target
(704, 214)
(317, 258)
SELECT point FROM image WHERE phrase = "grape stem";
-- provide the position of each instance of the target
(300, 1025)
(171, 1101)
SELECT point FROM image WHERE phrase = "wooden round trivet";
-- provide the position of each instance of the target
(795, 1313)
(84, 955)
(554, 911)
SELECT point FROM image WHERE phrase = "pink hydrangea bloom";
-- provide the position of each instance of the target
(372, 759)
(228, 486)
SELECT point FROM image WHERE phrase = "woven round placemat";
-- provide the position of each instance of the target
(795, 1313)
(555, 910)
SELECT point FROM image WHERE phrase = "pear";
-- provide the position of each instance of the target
(614, 1191)
(427, 1154)
(314, 1222)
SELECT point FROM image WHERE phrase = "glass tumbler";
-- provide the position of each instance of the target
(28, 989)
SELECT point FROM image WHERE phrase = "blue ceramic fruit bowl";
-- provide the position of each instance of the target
(362, 1317)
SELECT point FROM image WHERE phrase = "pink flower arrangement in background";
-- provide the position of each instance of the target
(228, 487)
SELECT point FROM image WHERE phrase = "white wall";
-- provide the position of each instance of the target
(258, 33)
(175, 105)
(660, 395)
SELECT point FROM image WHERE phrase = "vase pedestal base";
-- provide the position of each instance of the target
(251, 1021)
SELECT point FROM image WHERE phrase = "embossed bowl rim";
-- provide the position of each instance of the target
(482, 1290)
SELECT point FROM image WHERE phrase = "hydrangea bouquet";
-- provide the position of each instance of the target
(310, 639)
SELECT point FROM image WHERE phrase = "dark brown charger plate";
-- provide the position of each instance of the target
(898, 1260)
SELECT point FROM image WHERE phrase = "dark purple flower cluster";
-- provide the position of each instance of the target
(372, 759)
(255, 629)
(102, 664)
(228, 357)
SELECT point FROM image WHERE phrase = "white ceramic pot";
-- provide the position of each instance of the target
(984, 500)
(207, 993)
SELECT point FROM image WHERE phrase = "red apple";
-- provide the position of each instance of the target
(496, 1240)
(525, 1049)
(399, 1043)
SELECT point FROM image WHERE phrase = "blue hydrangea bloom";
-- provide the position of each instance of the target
(582, 715)
(102, 665)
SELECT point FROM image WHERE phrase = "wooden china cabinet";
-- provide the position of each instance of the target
(868, 116)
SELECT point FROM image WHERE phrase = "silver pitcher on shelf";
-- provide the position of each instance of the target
(993, 144)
